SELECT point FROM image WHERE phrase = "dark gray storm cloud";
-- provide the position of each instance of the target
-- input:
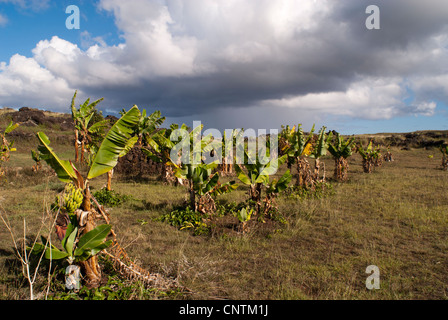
(225, 61)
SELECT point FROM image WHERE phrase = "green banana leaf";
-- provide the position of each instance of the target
(244, 215)
(281, 184)
(63, 168)
(129, 145)
(39, 248)
(96, 127)
(100, 247)
(92, 239)
(273, 165)
(11, 127)
(73, 108)
(71, 242)
(242, 176)
(114, 143)
(321, 147)
(224, 188)
(68, 232)
(213, 182)
(341, 148)
(86, 254)
(55, 254)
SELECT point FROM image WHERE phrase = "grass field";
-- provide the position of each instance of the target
(395, 218)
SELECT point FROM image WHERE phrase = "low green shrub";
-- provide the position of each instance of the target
(110, 198)
(185, 218)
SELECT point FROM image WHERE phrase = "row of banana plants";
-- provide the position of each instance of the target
(202, 179)
(299, 146)
(183, 161)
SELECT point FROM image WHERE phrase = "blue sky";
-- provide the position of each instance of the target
(252, 64)
(27, 26)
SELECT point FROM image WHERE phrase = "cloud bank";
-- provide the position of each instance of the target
(190, 58)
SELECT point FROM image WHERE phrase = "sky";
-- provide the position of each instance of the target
(246, 64)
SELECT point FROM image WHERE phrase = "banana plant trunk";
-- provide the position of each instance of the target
(367, 165)
(341, 169)
(317, 170)
(388, 157)
(110, 174)
(90, 267)
(226, 166)
(378, 161)
(303, 172)
(76, 146)
(192, 197)
(168, 175)
(255, 196)
(82, 150)
(270, 203)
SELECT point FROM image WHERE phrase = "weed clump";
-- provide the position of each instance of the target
(186, 218)
(110, 198)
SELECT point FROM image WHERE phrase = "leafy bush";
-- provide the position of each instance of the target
(185, 218)
(110, 198)
(231, 208)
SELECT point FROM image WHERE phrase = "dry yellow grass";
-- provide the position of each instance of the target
(395, 218)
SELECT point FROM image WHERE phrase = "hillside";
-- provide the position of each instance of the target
(58, 124)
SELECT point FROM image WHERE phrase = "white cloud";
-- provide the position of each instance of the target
(151, 49)
(24, 83)
(372, 98)
(94, 67)
(432, 85)
(184, 38)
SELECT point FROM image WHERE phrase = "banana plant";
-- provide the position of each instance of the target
(87, 135)
(75, 248)
(320, 150)
(388, 157)
(256, 174)
(158, 148)
(148, 125)
(203, 181)
(228, 143)
(297, 146)
(283, 136)
(244, 216)
(370, 156)
(341, 150)
(273, 190)
(114, 145)
(37, 160)
(6, 147)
